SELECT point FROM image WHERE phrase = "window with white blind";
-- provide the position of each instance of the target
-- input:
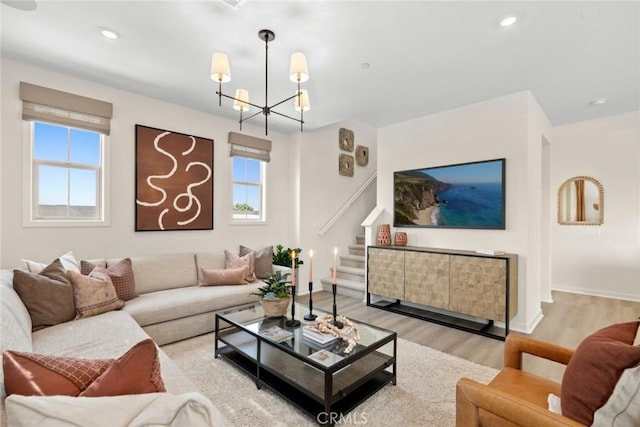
(65, 144)
(249, 158)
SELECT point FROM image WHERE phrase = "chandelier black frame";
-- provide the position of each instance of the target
(220, 72)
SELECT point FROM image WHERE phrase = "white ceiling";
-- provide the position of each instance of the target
(424, 56)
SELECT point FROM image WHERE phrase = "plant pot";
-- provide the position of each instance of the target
(275, 307)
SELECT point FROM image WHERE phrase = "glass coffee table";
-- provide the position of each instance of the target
(323, 381)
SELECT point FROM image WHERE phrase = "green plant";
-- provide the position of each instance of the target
(282, 256)
(275, 286)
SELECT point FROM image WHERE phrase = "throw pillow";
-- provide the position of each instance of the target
(94, 294)
(234, 261)
(121, 274)
(595, 368)
(264, 260)
(69, 262)
(135, 372)
(48, 295)
(228, 276)
(623, 407)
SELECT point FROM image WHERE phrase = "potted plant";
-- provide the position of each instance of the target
(275, 295)
(282, 256)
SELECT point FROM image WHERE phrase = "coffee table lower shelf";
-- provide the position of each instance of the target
(302, 401)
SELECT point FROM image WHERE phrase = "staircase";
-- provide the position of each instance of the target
(350, 272)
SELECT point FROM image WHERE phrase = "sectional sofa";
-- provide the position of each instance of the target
(170, 306)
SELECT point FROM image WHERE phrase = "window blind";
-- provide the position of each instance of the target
(63, 108)
(241, 145)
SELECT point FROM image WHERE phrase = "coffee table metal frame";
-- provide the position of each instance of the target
(326, 393)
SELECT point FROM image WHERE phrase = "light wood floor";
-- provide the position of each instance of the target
(566, 322)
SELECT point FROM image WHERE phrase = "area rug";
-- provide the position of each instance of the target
(424, 394)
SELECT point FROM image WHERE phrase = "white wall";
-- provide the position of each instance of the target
(120, 239)
(600, 260)
(323, 192)
(511, 127)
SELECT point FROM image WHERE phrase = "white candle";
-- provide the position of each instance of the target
(310, 265)
(335, 262)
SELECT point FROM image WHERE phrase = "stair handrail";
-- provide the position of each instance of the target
(347, 204)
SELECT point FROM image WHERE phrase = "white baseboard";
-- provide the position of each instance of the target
(599, 293)
(527, 327)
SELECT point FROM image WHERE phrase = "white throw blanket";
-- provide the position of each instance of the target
(153, 409)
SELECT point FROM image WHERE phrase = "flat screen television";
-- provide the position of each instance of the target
(465, 195)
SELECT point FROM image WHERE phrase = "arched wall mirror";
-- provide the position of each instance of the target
(581, 201)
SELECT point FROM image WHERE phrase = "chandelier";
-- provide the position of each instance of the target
(298, 73)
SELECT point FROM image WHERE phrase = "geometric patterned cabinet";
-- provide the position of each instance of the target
(445, 283)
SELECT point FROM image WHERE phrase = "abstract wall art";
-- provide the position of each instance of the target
(174, 181)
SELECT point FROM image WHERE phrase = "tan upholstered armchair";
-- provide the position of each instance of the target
(514, 397)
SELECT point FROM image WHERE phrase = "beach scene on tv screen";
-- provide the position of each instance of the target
(467, 195)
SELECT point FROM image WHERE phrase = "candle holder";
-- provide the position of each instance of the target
(310, 316)
(335, 322)
(293, 322)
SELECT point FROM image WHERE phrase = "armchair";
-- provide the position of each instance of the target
(514, 397)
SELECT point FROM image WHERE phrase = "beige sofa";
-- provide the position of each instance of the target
(170, 307)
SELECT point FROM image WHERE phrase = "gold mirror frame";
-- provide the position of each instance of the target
(581, 207)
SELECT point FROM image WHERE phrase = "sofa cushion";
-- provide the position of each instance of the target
(235, 261)
(595, 368)
(137, 371)
(209, 260)
(14, 320)
(156, 273)
(140, 410)
(171, 304)
(264, 260)
(107, 335)
(121, 274)
(94, 294)
(225, 276)
(48, 295)
(69, 262)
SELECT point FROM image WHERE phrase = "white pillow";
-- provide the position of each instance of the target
(69, 262)
(623, 406)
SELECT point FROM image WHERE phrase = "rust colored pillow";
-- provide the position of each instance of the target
(121, 274)
(93, 294)
(47, 295)
(595, 368)
(135, 372)
(228, 276)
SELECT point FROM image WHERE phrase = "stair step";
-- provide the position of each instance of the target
(360, 239)
(344, 287)
(352, 260)
(356, 249)
(350, 273)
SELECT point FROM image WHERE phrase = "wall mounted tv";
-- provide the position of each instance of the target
(465, 195)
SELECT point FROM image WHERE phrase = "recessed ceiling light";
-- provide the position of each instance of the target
(365, 65)
(599, 101)
(508, 21)
(109, 33)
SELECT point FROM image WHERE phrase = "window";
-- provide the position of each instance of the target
(67, 174)
(248, 189)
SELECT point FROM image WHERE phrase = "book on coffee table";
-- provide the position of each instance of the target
(276, 333)
(318, 337)
(325, 357)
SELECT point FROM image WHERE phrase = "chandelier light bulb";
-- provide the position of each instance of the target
(301, 101)
(241, 100)
(220, 68)
(298, 71)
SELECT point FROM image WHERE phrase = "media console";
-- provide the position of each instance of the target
(462, 289)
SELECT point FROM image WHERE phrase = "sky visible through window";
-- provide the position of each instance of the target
(64, 183)
(246, 172)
